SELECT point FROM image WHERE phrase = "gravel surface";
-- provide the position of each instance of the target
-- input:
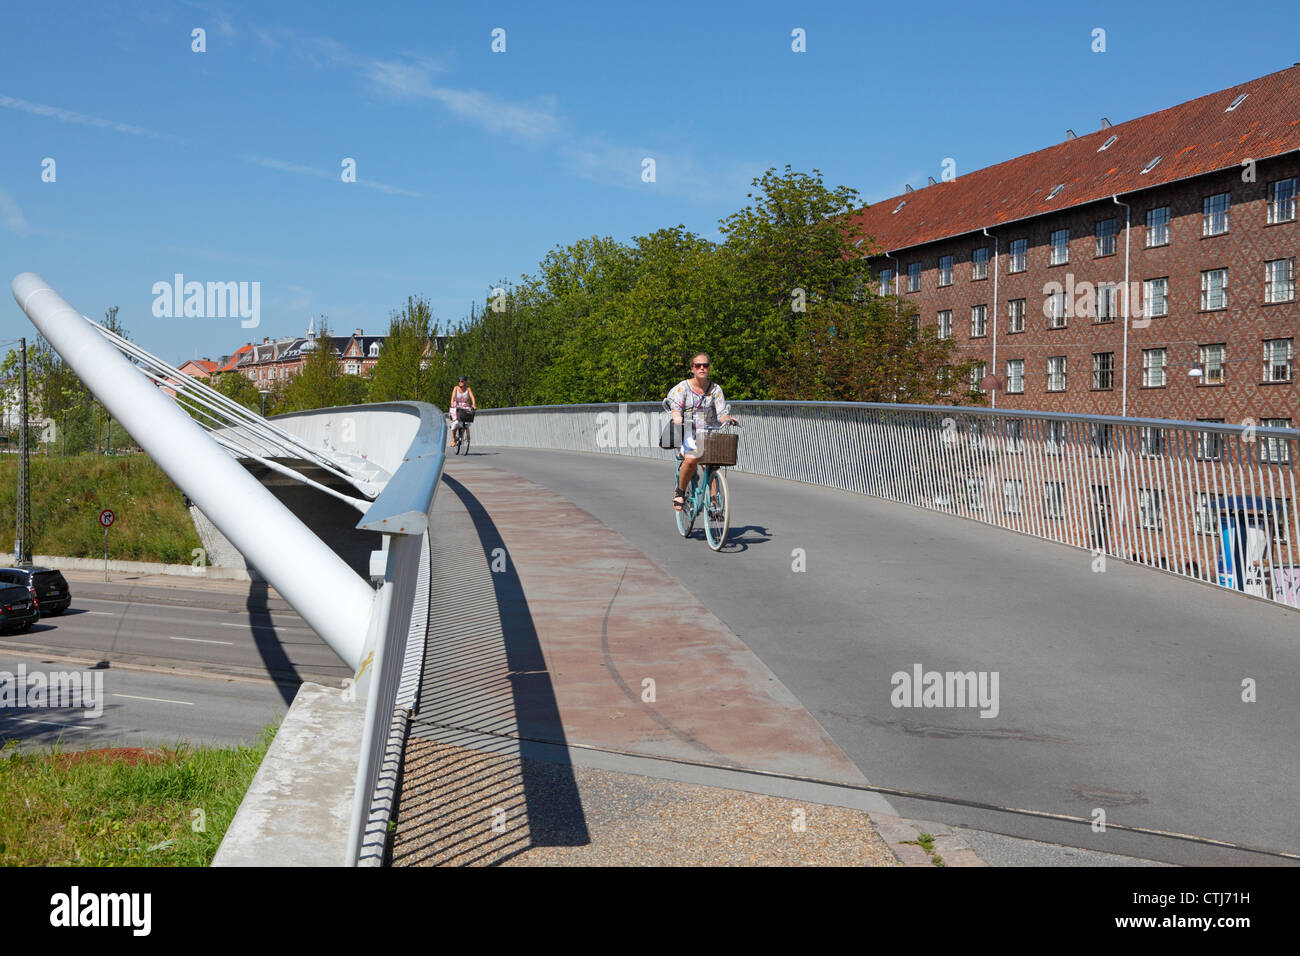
(463, 807)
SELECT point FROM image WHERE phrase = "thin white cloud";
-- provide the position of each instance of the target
(82, 119)
(411, 78)
(301, 170)
(11, 215)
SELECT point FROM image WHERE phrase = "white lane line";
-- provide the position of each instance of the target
(160, 700)
(170, 607)
(104, 613)
(33, 720)
(200, 640)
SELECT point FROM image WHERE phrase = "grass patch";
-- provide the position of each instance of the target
(69, 493)
(122, 807)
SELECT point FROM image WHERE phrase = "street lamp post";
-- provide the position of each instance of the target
(263, 394)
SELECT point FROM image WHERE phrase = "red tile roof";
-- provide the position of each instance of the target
(234, 359)
(1192, 138)
(206, 365)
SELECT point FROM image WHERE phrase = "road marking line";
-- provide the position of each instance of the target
(200, 640)
(268, 627)
(33, 720)
(171, 607)
(104, 613)
(160, 700)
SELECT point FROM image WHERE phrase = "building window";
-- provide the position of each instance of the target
(945, 270)
(1276, 450)
(977, 373)
(1013, 494)
(1153, 368)
(1016, 314)
(1277, 359)
(1060, 247)
(1056, 308)
(1214, 289)
(1209, 445)
(1207, 515)
(1054, 437)
(351, 368)
(914, 277)
(979, 321)
(975, 494)
(1056, 373)
(1279, 280)
(1150, 507)
(1158, 226)
(979, 263)
(1214, 215)
(1015, 435)
(1155, 292)
(1054, 499)
(1103, 370)
(1151, 442)
(945, 324)
(1019, 255)
(1015, 376)
(1212, 360)
(1281, 200)
(1099, 436)
(914, 322)
(374, 350)
(886, 281)
(1107, 301)
(1107, 229)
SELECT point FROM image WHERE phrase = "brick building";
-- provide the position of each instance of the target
(1192, 209)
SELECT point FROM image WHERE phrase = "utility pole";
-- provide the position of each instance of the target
(23, 533)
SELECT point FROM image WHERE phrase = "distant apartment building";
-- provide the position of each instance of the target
(1147, 268)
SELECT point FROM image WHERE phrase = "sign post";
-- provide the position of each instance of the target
(106, 518)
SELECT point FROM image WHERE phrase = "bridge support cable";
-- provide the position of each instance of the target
(320, 586)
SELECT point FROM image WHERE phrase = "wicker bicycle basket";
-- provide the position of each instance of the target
(717, 448)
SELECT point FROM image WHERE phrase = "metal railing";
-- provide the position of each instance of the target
(1215, 502)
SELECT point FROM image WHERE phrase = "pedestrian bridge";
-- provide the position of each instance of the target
(545, 671)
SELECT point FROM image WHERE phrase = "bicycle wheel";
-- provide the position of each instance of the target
(686, 517)
(464, 440)
(718, 512)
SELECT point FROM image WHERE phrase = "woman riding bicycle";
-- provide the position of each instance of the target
(701, 401)
(462, 397)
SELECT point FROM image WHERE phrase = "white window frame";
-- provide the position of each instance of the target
(1107, 232)
(1016, 309)
(1282, 200)
(1207, 288)
(1099, 368)
(1153, 300)
(1279, 280)
(945, 323)
(1214, 214)
(1155, 364)
(979, 263)
(1150, 508)
(1057, 310)
(914, 277)
(1272, 348)
(979, 321)
(1054, 499)
(1013, 495)
(1015, 376)
(945, 272)
(1056, 372)
(1059, 242)
(1158, 227)
(886, 281)
(1276, 450)
(1208, 367)
(1018, 255)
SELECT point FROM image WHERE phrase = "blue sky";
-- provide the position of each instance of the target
(225, 165)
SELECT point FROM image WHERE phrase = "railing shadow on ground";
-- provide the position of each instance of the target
(471, 792)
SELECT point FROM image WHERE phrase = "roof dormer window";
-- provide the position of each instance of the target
(1237, 102)
(1052, 194)
(1109, 143)
(1150, 166)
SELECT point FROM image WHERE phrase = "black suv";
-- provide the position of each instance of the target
(46, 585)
(18, 609)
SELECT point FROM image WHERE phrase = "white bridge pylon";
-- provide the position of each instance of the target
(319, 585)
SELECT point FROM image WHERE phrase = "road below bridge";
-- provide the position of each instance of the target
(1119, 691)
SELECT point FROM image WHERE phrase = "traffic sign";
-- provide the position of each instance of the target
(106, 517)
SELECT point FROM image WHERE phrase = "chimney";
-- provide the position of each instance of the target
(1105, 123)
(931, 182)
(909, 187)
(1069, 135)
(357, 333)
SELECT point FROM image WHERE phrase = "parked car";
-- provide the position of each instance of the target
(18, 609)
(48, 588)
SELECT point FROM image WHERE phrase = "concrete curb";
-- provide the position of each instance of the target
(903, 837)
(211, 572)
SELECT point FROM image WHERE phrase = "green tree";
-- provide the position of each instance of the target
(401, 372)
(239, 388)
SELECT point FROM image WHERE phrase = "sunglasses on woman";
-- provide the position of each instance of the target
(699, 365)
